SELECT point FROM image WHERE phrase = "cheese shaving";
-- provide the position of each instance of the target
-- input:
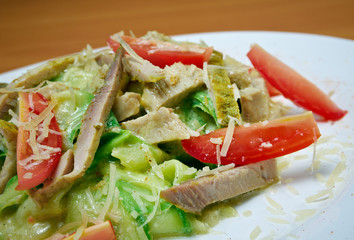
(83, 225)
(320, 196)
(277, 220)
(32, 127)
(206, 170)
(27, 175)
(14, 118)
(43, 128)
(152, 214)
(111, 189)
(273, 203)
(314, 150)
(218, 158)
(115, 201)
(255, 233)
(228, 137)
(217, 141)
(275, 211)
(68, 227)
(304, 214)
(30, 101)
(129, 49)
(91, 200)
(236, 92)
(140, 202)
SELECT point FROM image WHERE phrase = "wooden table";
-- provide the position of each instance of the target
(36, 30)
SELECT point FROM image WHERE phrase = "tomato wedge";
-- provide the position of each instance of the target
(257, 142)
(36, 163)
(102, 231)
(294, 86)
(164, 53)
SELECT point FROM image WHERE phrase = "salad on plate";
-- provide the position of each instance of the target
(146, 139)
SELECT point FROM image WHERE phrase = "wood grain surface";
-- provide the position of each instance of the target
(36, 30)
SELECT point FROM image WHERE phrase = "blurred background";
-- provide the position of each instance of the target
(36, 30)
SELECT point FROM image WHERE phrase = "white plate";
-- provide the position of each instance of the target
(328, 62)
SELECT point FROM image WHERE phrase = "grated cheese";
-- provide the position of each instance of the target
(39, 152)
(275, 211)
(84, 221)
(320, 178)
(266, 144)
(218, 158)
(27, 175)
(314, 150)
(247, 213)
(228, 137)
(68, 227)
(111, 190)
(236, 92)
(255, 233)
(277, 220)
(335, 174)
(14, 118)
(115, 201)
(320, 196)
(217, 141)
(273, 203)
(129, 49)
(140, 202)
(206, 170)
(292, 189)
(152, 214)
(304, 214)
(91, 200)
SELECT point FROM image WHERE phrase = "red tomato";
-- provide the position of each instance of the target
(294, 86)
(33, 172)
(257, 142)
(102, 231)
(164, 53)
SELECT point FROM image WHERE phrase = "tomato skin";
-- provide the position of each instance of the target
(102, 231)
(164, 54)
(257, 142)
(294, 86)
(45, 168)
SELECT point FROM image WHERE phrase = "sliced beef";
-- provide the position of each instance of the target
(142, 71)
(179, 81)
(195, 194)
(126, 105)
(160, 126)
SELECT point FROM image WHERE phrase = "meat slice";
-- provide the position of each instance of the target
(93, 123)
(126, 105)
(179, 81)
(195, 194)
(90, 132)
(255, 102)
(142, 71)
(8, 170)
(160, 126)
